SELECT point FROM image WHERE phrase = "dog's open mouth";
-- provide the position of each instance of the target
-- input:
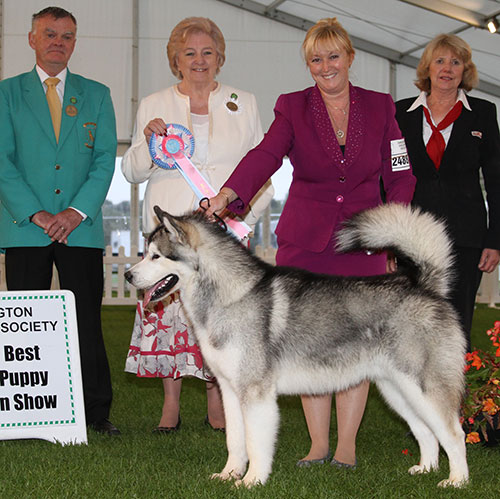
(160, 289)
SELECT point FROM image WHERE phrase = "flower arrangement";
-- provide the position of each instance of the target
(481, 406)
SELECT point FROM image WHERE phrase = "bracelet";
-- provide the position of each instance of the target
(226, 196)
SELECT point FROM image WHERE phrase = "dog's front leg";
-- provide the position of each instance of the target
(261, 417)
(235, 434)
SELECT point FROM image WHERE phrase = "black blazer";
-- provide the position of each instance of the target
(454, 191)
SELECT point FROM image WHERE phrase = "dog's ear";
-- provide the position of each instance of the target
(180, 231)
(159, 212)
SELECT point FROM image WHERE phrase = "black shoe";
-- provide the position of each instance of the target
(207, 422)
(105, 427)
(161, 430)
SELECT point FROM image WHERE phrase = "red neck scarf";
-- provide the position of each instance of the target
(436, 145)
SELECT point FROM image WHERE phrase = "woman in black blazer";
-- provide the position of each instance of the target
(453, 140)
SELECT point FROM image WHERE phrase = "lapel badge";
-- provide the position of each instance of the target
(71, 110)
(73, 100)
(477, 134)
(232, 104)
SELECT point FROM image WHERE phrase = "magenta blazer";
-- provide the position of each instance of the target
(328, 186)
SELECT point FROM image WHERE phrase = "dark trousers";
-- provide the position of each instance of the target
(81, 271)
(466, 285)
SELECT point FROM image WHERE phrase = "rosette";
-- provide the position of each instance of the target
(165, 148)
(172, 151)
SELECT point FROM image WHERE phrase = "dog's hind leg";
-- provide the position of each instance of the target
(443, 420)
(261, 417)
(427, 442)
(235, 434)
(440, 413)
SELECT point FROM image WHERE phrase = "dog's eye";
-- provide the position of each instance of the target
(155, 257)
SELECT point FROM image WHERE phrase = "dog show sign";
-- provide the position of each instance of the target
(41, 393)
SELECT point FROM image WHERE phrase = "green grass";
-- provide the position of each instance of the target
(141, 465)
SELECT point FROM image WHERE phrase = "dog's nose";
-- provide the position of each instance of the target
(128, 276)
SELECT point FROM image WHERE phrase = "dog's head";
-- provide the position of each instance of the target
(170, 260)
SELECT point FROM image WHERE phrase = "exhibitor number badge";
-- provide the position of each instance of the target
(399, 156)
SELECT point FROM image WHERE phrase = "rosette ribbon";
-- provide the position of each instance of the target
(173, 151)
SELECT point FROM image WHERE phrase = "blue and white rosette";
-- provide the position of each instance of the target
(173, 150)
(162, 148)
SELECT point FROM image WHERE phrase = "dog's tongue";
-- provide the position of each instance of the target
(167, 283)
(148, 293)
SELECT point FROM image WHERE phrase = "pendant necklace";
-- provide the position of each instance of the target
(339, 132)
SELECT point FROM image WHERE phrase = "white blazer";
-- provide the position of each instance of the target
(232, 133)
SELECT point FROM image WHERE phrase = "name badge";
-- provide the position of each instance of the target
(399, 156)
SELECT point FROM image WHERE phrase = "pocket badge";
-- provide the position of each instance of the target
(90, 128)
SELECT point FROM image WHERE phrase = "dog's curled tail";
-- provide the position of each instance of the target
(418, 239)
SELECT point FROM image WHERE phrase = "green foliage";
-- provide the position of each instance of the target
(142, 465)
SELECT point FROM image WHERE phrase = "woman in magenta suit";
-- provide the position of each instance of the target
(341, 140)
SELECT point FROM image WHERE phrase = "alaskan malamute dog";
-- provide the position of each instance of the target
(265, 331)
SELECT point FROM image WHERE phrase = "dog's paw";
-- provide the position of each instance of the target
(221, 476)
(247, 482)
(450, 482)
(225, 476)
(418, 469)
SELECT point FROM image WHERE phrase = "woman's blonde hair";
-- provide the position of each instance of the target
(460, 48)
(186, 28)
(328, 32)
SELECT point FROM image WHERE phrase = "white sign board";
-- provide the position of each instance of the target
(41, 392)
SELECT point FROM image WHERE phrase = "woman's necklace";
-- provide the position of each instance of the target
(339, 132)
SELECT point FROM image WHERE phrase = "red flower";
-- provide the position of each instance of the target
(474, 359)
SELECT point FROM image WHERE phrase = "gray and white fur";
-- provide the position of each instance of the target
(265, 331)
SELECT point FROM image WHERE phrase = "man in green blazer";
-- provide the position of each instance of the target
(55, 171)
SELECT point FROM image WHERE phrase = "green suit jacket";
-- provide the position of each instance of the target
(37, 173)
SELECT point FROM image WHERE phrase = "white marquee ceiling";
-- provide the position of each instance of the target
(399, 29)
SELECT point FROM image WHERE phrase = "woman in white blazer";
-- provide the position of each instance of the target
(226, 125)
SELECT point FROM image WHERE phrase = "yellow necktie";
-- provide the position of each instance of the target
(54, 104)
